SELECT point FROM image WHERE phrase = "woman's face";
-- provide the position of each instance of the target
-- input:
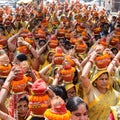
(81, 113)
(25, 65)
(50, 57)
(102, 81)
(71, 92)
(22, 108)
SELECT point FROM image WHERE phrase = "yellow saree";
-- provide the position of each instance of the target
(99, 108)
(99, 103)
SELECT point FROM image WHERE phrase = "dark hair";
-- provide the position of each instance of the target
(42, 41)
(114, 50)
(24, 98)
(74, 102)
(59, 91)
(114, 17)
(104, 24)
(21, 57)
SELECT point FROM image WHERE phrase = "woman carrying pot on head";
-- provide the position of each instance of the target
(98, 91)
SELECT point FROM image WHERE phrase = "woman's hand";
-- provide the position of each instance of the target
(93, 55)
(20, 41)
(13, 73)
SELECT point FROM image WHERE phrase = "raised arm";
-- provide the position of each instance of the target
(113, 64)
(12, 40)
(43, 72)
(6, 89)
(5, 116)
(86, 71)
(28, 45)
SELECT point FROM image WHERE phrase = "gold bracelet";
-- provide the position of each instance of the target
(90, 61)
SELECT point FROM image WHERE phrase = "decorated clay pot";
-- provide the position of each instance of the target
(61, 33)
(19, 85)
(20, 82)
(97, 30)
(23, 49)
(85, 36)
(38, 104)
(67, 73)
(73, 40)
(58, 110)
(80, 47)
(53, 42)
(39, 100)
(58, 56)
(102, 61)
(4, 70)
(114, 41)
(80, 29)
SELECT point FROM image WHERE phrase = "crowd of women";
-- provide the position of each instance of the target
(60, 61)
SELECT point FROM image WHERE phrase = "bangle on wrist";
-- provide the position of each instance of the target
(91, 61)
(5, 87)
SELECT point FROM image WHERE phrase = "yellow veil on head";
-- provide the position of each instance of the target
(98, 73)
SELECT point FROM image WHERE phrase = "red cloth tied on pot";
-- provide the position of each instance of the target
(39, 87)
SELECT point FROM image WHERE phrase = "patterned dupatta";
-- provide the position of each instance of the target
(12, 106)
(99, 108)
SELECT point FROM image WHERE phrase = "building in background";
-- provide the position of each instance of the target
(115, 5)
